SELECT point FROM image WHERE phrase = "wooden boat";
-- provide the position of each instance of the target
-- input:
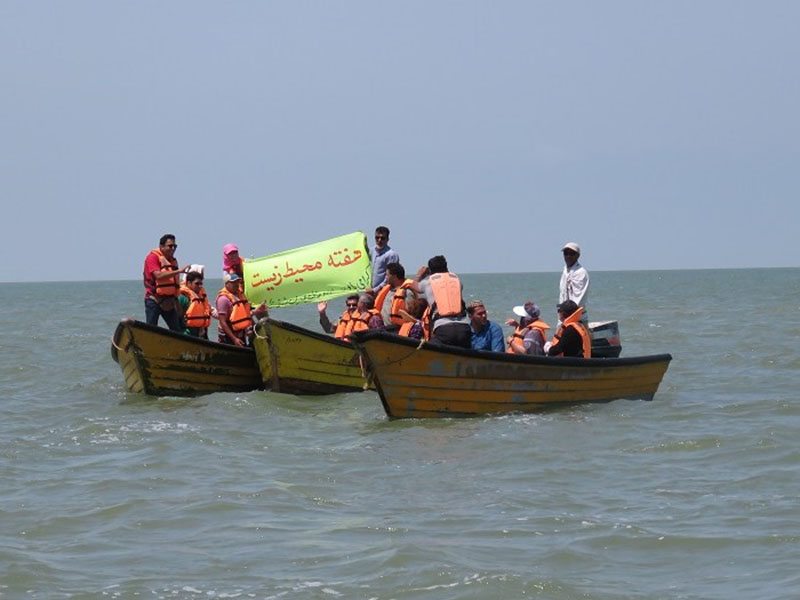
(416, 381)
(295, 360)
(161, 362)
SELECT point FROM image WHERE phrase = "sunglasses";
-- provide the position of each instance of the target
(570, 252)
(352, 305)
(172, 245)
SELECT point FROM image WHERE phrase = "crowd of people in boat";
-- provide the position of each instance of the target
(429, 306)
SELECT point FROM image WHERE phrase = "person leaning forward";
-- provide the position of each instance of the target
(448, 315)
(161, 285)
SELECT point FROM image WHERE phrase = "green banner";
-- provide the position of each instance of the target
(310, 274)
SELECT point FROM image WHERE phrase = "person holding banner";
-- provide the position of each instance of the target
(382, 255)
(344, 323)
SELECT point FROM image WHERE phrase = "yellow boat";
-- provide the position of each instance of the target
(161, 362)
(416, 381)
(295, 360)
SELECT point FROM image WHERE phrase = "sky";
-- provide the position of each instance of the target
(658, 135)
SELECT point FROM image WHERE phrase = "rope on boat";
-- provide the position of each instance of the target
(419, 347)
(113, 343)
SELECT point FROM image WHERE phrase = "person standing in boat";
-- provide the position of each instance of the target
(234, 312)
(530, 332)
(572, 337)
(393, 297)
(344, 324)
(231, 261)
(194, 306)
(161, 285)
(486, 335)
(448, 315)
(574, 283)
(381, 256)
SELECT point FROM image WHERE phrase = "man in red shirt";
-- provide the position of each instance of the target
(161, 285)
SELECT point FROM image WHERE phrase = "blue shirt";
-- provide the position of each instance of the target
(379, 262)
(491, 338)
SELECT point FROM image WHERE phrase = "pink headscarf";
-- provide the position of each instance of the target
(228, 263)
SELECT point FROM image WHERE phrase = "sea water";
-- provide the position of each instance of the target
(109, 494)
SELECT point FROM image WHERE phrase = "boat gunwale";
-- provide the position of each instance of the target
(297, 329)
(359, 338)
(190, 340)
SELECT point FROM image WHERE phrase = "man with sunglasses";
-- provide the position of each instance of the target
(345, 324)
(574, 279)
(382, 255)
(161, 285)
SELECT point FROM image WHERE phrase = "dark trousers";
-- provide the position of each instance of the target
(453, 334)
(152, 311)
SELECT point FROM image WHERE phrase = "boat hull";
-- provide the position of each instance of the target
(161, 362)
(294, 360)
(443, 381)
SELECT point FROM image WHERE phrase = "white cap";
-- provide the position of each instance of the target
(230, 277)
(572, 246)
(197, 269)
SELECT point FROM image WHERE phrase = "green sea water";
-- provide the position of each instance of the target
(108, 494)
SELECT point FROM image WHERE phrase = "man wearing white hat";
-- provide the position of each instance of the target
(574, 280)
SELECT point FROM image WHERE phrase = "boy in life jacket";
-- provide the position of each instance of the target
(344, 324)
(530, 333)
(572, 337)
(195, 307)
(161, 285)
(442, 289)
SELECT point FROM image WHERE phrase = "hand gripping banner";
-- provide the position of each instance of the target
(312, 273)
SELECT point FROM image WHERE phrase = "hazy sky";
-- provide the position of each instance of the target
(656, 134)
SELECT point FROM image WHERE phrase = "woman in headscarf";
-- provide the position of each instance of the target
(231, 261)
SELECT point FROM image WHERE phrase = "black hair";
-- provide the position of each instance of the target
(192, 276)
(382, 229)
(353, 297)
(396, 269)
(438, 264)
(165, 237)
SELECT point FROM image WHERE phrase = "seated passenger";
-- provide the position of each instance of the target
(572, 337)
(367, 317)
(530, 333)
(414, 328)
(339, 330)
(486, 335)
(196, 310)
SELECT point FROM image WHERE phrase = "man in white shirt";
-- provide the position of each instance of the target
(574, 280)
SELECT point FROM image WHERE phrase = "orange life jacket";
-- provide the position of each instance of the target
(447, 300)
(240, 318)
(426, 323)
(405, 328)
(344, 326)
(361, 322)
(519, 333)
(198, 314)
(169, 285)
(398, 301)
(574, 321)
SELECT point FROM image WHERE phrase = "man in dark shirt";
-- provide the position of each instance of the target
(572, 337)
